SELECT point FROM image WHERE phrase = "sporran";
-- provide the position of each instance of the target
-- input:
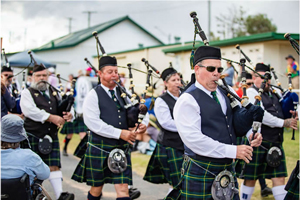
(45, 145)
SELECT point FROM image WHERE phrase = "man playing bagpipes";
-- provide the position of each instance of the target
(268, 160)
(107, 158)
(204, 119)
(40, 106)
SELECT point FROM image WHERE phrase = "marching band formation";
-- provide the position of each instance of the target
(210, 134)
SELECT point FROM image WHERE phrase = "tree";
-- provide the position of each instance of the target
(259, 24)
(213, 37)
(236, 24)
(232, 25)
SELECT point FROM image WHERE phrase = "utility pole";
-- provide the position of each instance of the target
(89, 16)
(70, 24)
(208, 20)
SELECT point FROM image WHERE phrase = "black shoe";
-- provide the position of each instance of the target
(134, 193)
(65, 153)
(266, 192)
(66, 196)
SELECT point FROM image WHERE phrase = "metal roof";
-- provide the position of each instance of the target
(76, 38)
(262, 37)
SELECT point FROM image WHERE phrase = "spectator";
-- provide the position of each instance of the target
(15, 162)
(293, 68)
(229, 73)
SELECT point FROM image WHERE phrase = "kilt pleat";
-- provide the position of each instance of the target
(81, 148)
(293, 192)
(196, 182)
(258, 167)
(52, 159)
(93, 168)
(292, 185)
(164, 165)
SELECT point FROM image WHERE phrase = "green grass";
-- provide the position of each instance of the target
(140, 161)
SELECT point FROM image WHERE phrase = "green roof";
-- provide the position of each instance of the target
(262, 37)
(77, 37)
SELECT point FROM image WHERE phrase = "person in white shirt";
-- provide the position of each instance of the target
(272, 133)
(166, 160)
(106, 117)
(204, 120)
(39, 104)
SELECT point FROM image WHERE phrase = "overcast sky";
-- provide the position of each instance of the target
(30, 24)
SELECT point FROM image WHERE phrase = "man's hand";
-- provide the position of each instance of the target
(291, 123)
(257, 139)
(142, 128)
(67, 116)
(128, 136)
(57, 120)
(244, 152)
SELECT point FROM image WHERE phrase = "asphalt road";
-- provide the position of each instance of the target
(148, 190)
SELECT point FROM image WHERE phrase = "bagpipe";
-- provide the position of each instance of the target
(293, 42)
(66, 102)
(135, 110)
(67, 99)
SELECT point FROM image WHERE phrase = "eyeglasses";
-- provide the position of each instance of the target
(249, 84)
(212, 68)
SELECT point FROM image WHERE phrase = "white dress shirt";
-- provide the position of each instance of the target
(91, 113)
(30, 110)
(188, 122)
(268, 119)
(163, 115)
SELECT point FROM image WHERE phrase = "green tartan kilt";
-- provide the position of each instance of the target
(258, 167)
(293, 188)
(293, 192)
(164, 165)
(76, 126)
(82, 146)
(93, 168)
(68, 128)
(80, 126)
(196, 182)
(52, 159)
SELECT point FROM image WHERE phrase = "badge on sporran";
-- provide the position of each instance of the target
(45, 145)
(223, 187)
(117, 161)
(274, 157)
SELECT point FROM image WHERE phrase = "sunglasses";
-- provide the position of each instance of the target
(212, 68)
(249, 84)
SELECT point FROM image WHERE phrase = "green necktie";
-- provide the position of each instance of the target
(45, 95)
(114, 98)
(214, 94)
